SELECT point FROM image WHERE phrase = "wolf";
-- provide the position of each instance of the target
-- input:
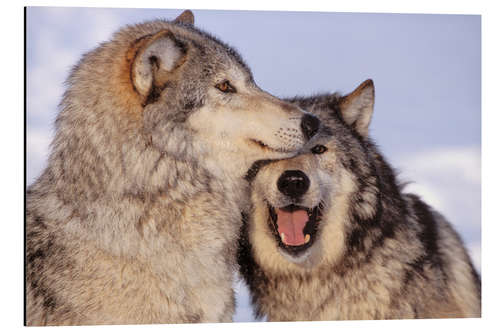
(136, 218)
(331, 236)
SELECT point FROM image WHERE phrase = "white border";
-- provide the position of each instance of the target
(13, 165)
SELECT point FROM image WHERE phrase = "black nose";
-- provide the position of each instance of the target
(293, 183)
(309, 125)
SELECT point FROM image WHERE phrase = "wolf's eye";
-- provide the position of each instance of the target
(225, 87)
(319, 149)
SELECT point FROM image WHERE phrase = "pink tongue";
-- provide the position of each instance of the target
(292, 225)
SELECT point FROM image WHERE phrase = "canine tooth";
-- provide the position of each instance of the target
(307, 238)
(282, 235)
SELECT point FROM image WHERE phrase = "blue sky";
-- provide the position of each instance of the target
(426, 70)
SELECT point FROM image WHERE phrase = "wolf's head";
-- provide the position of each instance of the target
(186, 76)
(164, 90)
(302, 205)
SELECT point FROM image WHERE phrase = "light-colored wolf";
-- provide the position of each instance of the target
(137, 215)
(330, 235)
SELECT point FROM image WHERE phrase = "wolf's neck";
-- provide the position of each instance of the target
(104, 201)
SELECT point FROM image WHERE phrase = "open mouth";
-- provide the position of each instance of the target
(267, 147)
(295, 227)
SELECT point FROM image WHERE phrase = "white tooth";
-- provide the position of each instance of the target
(282, 235)
(307, 238)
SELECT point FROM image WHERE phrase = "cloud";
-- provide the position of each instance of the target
(244, 310)
(449, 179)
(447, 162)
(37, 148)
(475, 253)
(51, 38)
(53, 53)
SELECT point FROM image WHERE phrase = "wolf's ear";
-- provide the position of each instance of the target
(186, 17)
(357, 107)
(154, 59)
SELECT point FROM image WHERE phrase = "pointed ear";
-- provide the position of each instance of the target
(357, 107)
(154, 59)
(186, 17)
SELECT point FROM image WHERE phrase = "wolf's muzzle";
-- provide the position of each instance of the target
(293, 183)
(309, 125)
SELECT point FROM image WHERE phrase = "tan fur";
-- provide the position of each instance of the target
(136, 217)
(320, 289)
(186, 17)
(377, 253)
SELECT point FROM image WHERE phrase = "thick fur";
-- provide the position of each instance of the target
(378, 253)
(136, 217)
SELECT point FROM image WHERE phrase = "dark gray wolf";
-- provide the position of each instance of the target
(137, 216)
(331, 236)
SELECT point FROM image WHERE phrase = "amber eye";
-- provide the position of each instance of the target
(319, 149)
(225, 87)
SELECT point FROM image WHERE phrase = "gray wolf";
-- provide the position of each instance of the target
(137, 215)
(331, 236)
